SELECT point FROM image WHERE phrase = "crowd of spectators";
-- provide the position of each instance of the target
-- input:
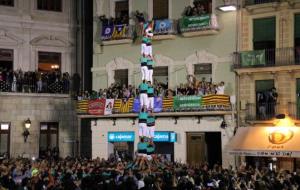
(192, 87)
(34, 81)
(115, 174)
(124, 19)
(199, 8)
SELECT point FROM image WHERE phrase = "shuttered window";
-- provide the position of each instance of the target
(297, 26)
(264, 29)
(160, 9)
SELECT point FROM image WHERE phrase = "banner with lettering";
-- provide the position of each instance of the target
(109, 105)
(158, 103)
(107, 32)
(253, 58)
(194, 22)
(96, 107)
(163, 26)
(187, 102)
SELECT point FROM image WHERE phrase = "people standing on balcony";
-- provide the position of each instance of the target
(261, 101)
(273, 95)
(143, 88)
(150, 93)
(220, 88)
(144, 68)
(150, 64)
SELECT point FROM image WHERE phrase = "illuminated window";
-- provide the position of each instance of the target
(49, 61)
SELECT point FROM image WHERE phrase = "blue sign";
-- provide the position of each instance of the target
(163, 136)
(120, 136)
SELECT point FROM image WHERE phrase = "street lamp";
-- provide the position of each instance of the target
(27, 125)
(228, 6)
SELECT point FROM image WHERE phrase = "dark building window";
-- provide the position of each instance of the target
(49, 5)
(264, 37)
(121, 76)
(4, 139)
(49, 139)
(160, 75)
(6, 59)
(49, 61)
(122, 10)
(7, 3)
(297, 38)
(203, 72)
(160, 9)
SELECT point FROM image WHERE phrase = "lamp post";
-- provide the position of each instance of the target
(27, 125)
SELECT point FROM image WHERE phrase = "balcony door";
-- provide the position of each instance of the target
(265, 107)
(48, 139)
(298, 99)
(297, 38)
(4, 139)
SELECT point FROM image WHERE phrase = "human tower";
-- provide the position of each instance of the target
(146, 124)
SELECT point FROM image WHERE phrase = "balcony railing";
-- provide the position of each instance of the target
(268, 57)
(294, 110)
(198, 23)
(261, 111)
(164, 27)
(256, 2)
(30, 82)
(116, 32)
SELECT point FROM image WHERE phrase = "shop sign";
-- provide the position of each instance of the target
(120, 136)
(163, 136)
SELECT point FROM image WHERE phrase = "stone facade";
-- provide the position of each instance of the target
(101, 127)
(27, 30)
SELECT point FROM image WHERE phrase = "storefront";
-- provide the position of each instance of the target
(121, 144)
(164, 144)
(275, 147)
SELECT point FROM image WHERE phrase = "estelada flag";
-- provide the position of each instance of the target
(119, 31)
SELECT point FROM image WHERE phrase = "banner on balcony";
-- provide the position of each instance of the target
(96, 107)
(201, 22)
(119, 31)
(253, 58)
(187, 102)
(158, 103)
(163, 26)
(107, 32)
(109, 105)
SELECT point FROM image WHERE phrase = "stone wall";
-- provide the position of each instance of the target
(16, 108)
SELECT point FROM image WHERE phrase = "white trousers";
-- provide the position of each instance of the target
(148, 50)
(145, 74)
(143, 130)
(150, 133)
(143, 100)
(143, 49)
(150, 76)
(151, 103)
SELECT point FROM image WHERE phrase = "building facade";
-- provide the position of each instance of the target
(37, 39)
(267, 64)
(204, 52)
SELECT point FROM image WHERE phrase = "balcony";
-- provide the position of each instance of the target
(198, 25)
(294, 110)
(257, 2)
(261, 6)
(267, 58)
(261, 111)
(164, 29)
(116, 34)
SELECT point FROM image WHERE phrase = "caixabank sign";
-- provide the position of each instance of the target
(129, 136)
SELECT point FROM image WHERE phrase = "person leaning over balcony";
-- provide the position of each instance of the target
(143, 88)
(143, 116)
(150, 64)
(150, 93)
(144, 68)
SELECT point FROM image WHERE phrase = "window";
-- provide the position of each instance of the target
(266, 99)
(160, 9)
(49, 61)
(121, 11)
(48, 139)
(264, 37)
(7, 3)
(297, 38)
(203, 72)
(160, 75)
(6, 59)
(49, 5)
(4, 139)
(121, 76)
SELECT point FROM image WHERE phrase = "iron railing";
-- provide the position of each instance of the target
(267, 57)
(261, 111)
(256, 2)
(294, 110)
(31, 82)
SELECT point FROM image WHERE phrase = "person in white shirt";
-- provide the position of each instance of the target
(220, 88)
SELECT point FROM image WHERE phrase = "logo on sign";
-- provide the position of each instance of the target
(107, 31)
(280, 136)
(111, 137)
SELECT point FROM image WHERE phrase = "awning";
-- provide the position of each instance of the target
(266, 142)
